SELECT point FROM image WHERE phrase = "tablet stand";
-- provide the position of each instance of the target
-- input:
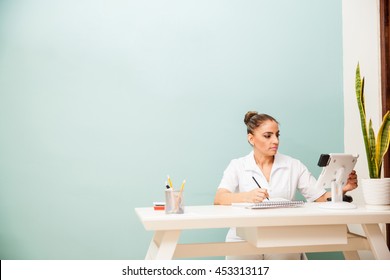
(337, 199)
(336, 168)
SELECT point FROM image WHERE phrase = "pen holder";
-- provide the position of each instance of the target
(174, 202)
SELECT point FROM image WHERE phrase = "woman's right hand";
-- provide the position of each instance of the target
(256, 195)
(225, 197)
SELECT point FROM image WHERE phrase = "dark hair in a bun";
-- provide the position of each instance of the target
(253, 120)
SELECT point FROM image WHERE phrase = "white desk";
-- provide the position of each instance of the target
(282, 230)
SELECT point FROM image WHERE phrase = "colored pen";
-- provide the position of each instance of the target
(170, 182)
(182, 185)
(179, 197)
(257, 184)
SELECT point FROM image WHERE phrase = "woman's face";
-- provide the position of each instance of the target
(265, 138)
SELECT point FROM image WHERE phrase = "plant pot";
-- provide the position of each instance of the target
(376, 193)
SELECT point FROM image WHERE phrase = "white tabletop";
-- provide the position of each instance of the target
(218, 216)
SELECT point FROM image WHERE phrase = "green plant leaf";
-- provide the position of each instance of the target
(359, 88)
(383, 140)
(372, 146)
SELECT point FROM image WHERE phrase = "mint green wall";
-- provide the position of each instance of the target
(100, 100)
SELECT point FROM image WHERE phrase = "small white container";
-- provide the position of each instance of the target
(174, 202)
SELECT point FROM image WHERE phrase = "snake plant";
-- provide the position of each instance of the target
(375, 148)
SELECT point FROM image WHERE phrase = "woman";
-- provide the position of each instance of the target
(279, 176)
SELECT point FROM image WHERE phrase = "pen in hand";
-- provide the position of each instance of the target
(258, 185)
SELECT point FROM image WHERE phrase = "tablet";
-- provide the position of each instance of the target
(336, 168)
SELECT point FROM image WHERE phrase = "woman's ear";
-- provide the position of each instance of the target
(250, 138)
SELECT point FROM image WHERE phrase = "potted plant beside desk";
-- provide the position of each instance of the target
(376, 190)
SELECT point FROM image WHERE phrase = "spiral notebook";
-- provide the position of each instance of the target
(277, 204)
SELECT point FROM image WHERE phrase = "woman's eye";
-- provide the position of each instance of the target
(270, 135)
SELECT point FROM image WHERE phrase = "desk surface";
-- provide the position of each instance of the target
(218, 216)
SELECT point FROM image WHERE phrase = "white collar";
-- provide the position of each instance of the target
(250, 163)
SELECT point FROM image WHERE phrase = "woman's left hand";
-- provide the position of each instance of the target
(352, 182)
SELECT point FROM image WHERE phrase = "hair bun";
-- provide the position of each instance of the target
(248, 116)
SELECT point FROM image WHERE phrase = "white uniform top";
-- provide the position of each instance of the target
(287, 176)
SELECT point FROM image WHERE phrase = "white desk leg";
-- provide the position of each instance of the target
(377, 241)
(163, 245)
